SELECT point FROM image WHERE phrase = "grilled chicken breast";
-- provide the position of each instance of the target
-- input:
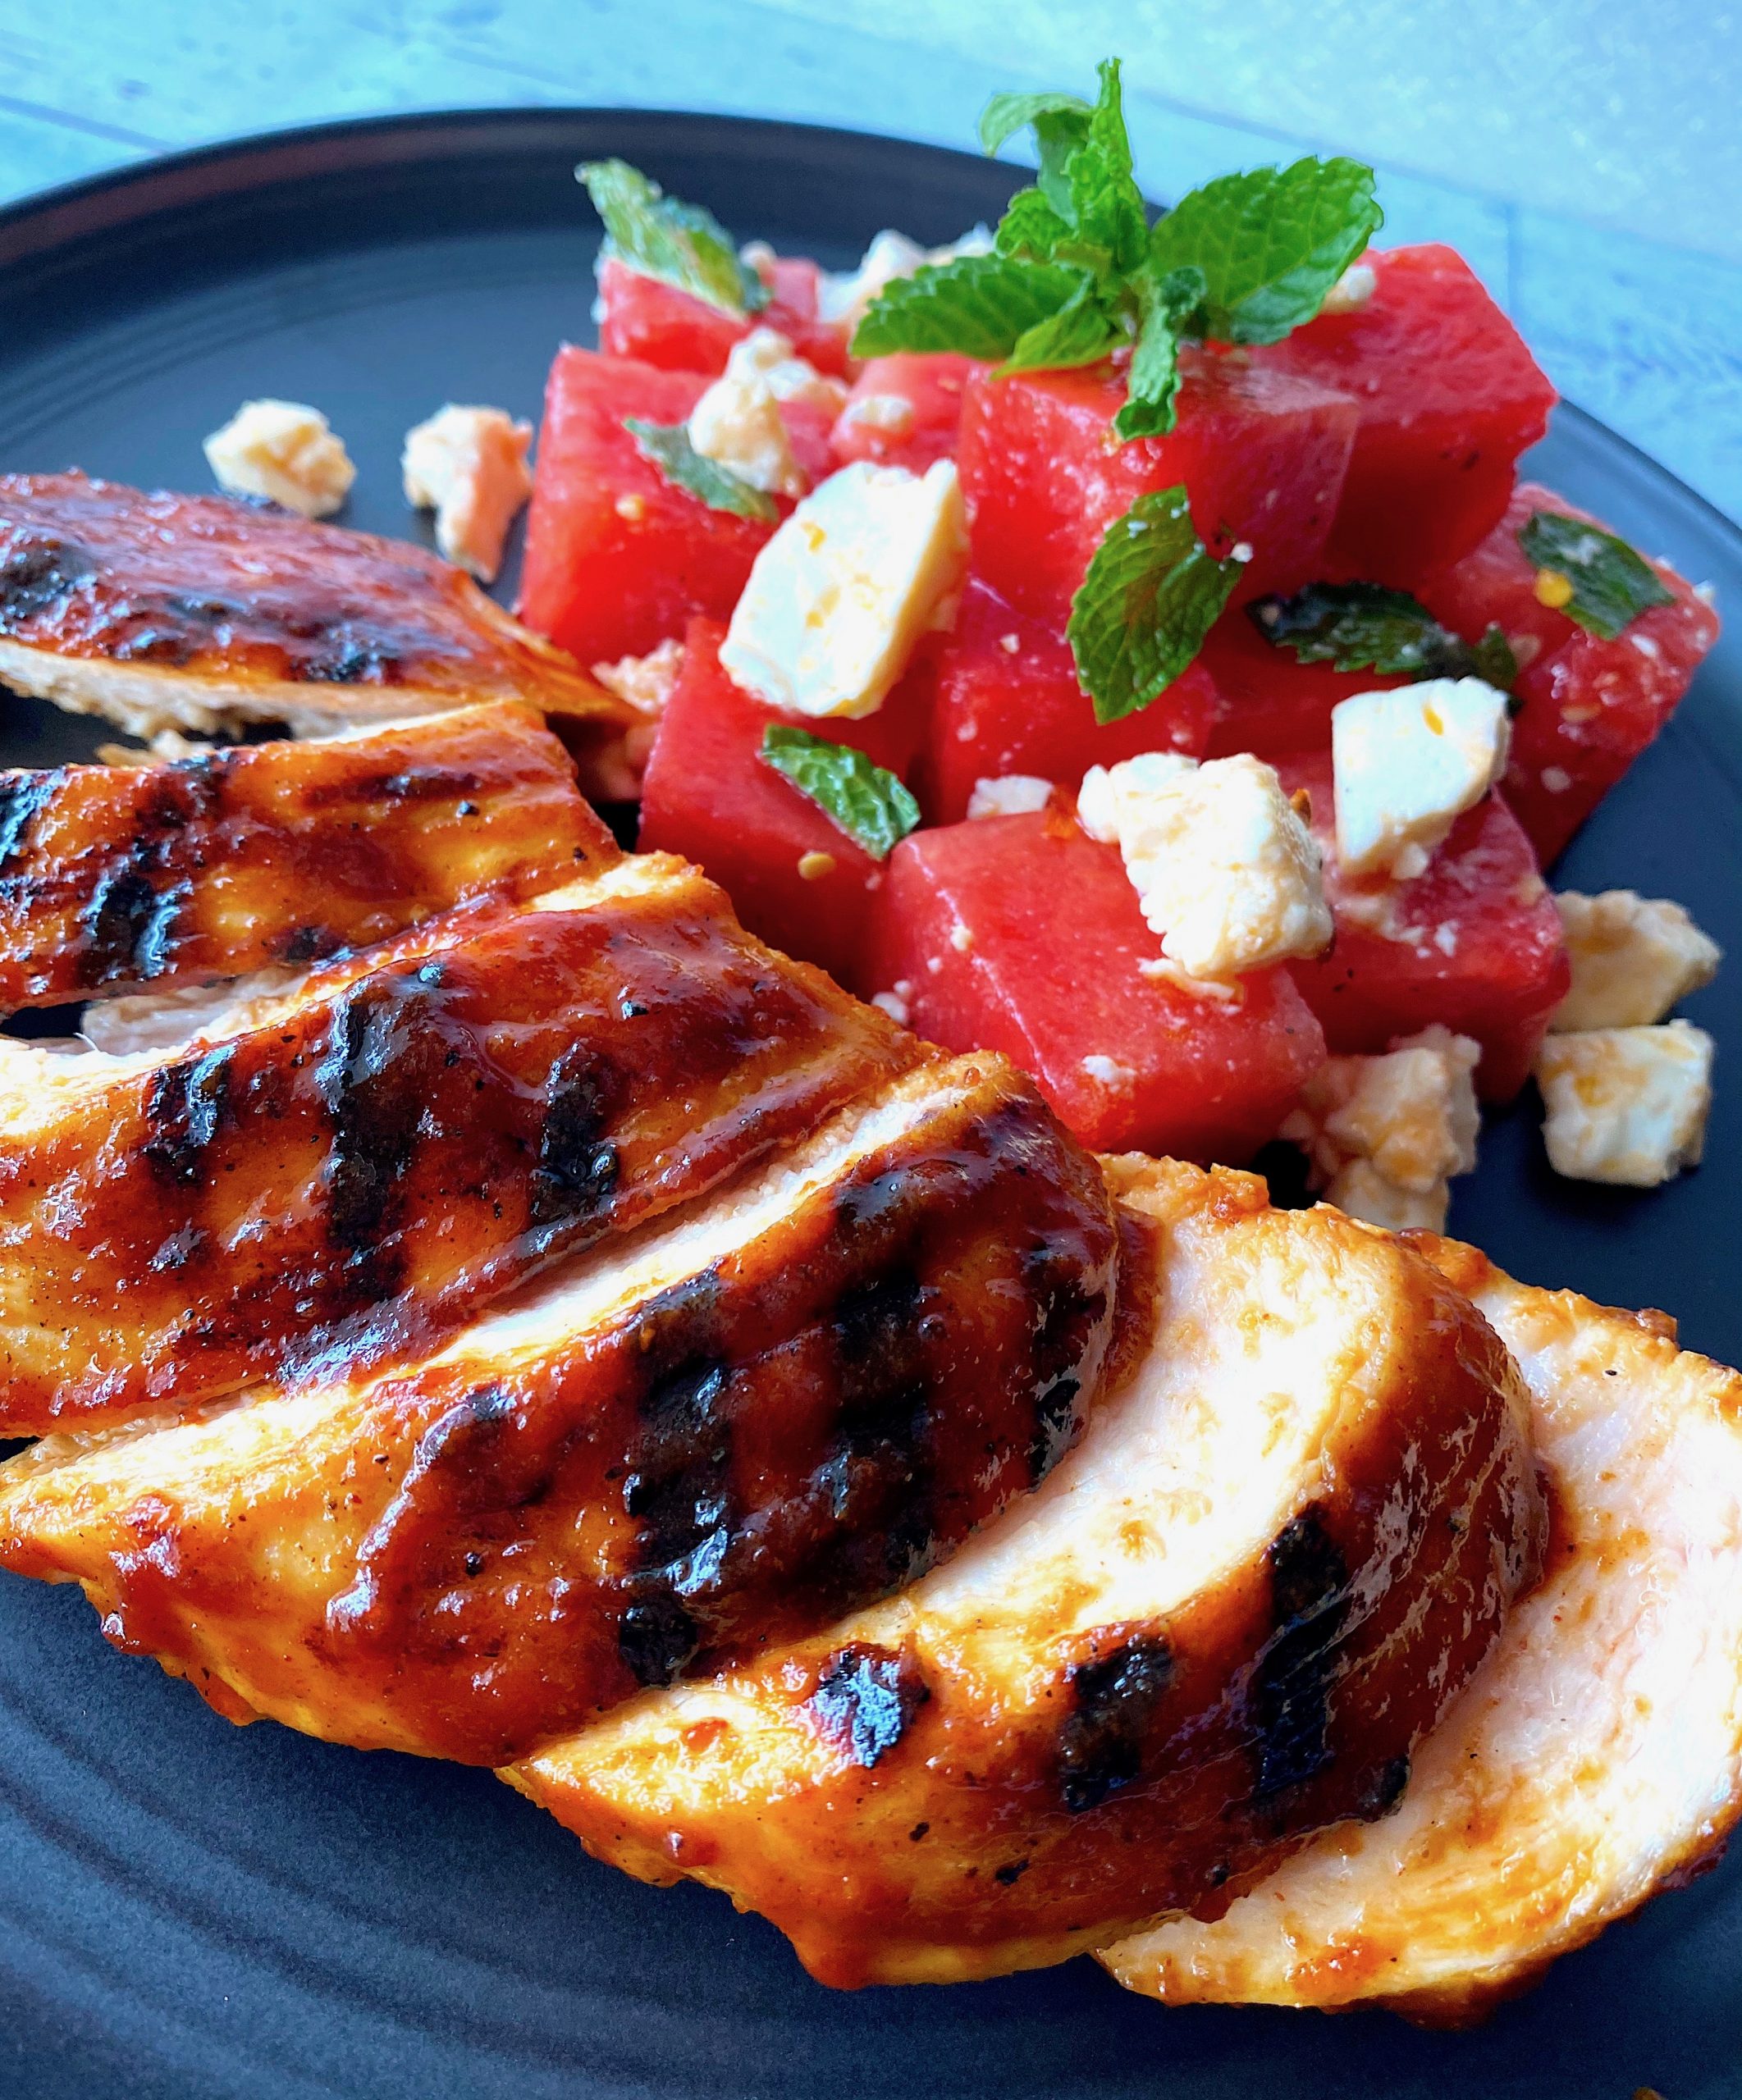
(277, 853)
(731, 1425)
(1595, 1758)
(203, 613)
(1287, 1537)
(402, 1137)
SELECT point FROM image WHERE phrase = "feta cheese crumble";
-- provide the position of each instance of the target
(1384, 1135)
(1224, 869)
(890, 255)
(1352, 289)
(737, 421)
(1633, 958)
(1406, 764)
(839, 595)
(888, 415)
(1626, 1106)
(285, 451)
(1008, 795)
(468, 466)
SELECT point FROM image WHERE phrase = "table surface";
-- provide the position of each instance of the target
(1583, 154)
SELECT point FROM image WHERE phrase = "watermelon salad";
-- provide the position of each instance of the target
(1132, 647)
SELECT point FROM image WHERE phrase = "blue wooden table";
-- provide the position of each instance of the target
(1584, 154)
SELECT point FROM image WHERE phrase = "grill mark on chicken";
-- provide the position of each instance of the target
(866, 1700)
(39, 576)
(1290, 1696)
(383, 1052)
(269, 853)
(1117, 1696)
(578, 1164)
(185, 1110)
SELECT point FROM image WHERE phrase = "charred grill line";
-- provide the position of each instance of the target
(1068, 1313)
(129, 926)
(39, 574)
(576, 1175)
(866, 1700)
(373, 1082)
(1289, 1700)
(1101, 1745)
(22, 796)
(185, 1108)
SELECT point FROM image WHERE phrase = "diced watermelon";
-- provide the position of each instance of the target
(642, 317)
(707, 795)
(1271, 701)
(1021, 935)
(1449, 397)
(1261, 453)
(1007, 701)
(1475, 941)
(1589, 706)
(905, 410)
(617, 558)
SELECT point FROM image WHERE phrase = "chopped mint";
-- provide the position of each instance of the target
(1080, 332)
(1007, 113)
(1270, 244)
(868, 803)
(680, 243)
(981, 305)
(669, 448)
(1151, 595)
(1366, 627)
(1166, 306)
(1607, 584)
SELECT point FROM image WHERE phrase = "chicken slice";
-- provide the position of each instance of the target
(406, 1135)
(274, 853)
(1595, 1759)
(1288, 1535)
(203, 613)
(731, 1425)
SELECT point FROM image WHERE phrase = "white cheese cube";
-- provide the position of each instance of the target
(886, 415)
(1362, 1191)
(285, 451)
(1406, 766)
(1008, 795)
(468, 466)
(839, 595)
(890, 255)
(766, 356)
(1632, 957)
(1352, 289)
(736, 423)
(1411, 1112)
(646, 681)
(1625, 1105)
(1224, 869)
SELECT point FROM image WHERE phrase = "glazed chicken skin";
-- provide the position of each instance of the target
(261, 855)
(402, 1137)
(1291, 1531)
(1595, 1758)
(727, 1428)
(205, 612)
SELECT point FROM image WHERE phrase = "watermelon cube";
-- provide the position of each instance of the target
(645, 318)
(1475, 942)
(617, 558)
(1024, 935)
(1271, 701)
(795, 877)
(1589, 706)
(1261, 453)
(1449, 397)
(905, 410)
(1007, 701)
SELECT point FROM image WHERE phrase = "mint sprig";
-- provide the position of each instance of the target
(1152, 592)
(1367, 627)
(981, 305)
(668, 447)
(1610, 583)
(867, 801)
(680, 244)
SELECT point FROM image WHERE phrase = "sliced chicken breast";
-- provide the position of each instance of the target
(205, 613)
(277, 853)
(725, 1428)
(407, 1135)
(1595, 1759)
(1289, 1534)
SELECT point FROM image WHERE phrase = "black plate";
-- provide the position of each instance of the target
(186, 1909)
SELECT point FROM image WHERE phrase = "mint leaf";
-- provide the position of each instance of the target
(1167, 307)
(1151, 595)
(1271, 244)
(1366, 627)
(1006, 114)
(1611, 585)
(1080, 332)
(981, 305)
(1106, 214)
(668, 446)
(870, 805)
(1030, 227)
(680, 244)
